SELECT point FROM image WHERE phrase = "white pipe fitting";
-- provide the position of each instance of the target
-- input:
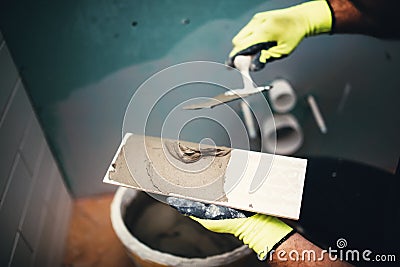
(286, 131)
(282, 96)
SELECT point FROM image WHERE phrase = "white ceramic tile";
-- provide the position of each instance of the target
(67, 199)
(8, 76)
(45, 175)
(11, 209)
(36, 202)
(22, 254)
(59, 206)
(50, 183)
(59, 231)
(40, 229)
(55, 193)
(45, 246)
(40, 221)
(31, 144)
(64, 212)
(6, 246)
(11, 132)
(62, 205)
(55, 227)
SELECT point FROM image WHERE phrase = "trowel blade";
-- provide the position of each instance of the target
(224, 98)
(214, 101)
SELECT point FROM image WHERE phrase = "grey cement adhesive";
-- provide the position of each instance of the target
(193, 154)
(174, 233)
(145, 163)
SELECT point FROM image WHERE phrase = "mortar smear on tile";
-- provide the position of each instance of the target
(191, 154)
(144, 162)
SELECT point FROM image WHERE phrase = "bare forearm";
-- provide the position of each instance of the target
(372, 17)
(298, 251)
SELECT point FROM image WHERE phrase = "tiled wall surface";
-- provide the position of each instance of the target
(34, 202)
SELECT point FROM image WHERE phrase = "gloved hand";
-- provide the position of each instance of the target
(260, 232)
(274, 34)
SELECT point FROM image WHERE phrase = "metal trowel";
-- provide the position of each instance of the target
(242, 63)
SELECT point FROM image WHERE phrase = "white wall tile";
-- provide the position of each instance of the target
(32, 143)
(45, 246)
(58, 236)
(45, 175)
(11, 132)
(65, 210)
(22, 255)
(40, 221)
(11, 209)
(55, 193)
(61, 207)
(36, 202)
(8, 77)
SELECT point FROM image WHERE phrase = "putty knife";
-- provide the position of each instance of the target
(226, 97)
(145, 163)
(242, 63)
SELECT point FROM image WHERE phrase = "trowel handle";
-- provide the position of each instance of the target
(242, 63)
(206, 211)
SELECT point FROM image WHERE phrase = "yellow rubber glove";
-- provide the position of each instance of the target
(274, 34)
(260, 232)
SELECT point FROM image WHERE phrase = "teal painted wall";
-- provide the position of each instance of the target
(81, 61)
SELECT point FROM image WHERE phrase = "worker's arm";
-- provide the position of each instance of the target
(281, 258)
(370, 17)
(272, 239)
(275, 34)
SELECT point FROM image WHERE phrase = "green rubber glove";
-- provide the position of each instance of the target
(274, 34)
(260, 232)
